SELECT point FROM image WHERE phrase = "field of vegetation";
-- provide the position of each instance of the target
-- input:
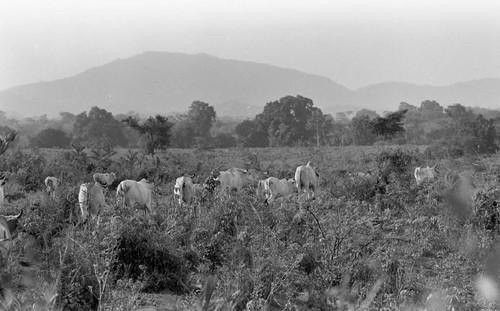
(376, 243)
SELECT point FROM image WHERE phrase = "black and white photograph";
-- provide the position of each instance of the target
(256, 155)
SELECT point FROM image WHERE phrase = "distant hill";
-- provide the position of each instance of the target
(163, 82)
(387, 96)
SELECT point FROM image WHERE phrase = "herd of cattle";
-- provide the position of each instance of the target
(138, 194)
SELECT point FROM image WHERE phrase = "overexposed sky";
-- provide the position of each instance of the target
(354, 43)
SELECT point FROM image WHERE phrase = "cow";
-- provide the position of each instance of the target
(306, 178)
(9, 230)
(260, 186)
(104, 179)
(274, 187)
(423, 173)
(91, 199)
(52, 183)
(3, 179)
(248, 177)
(184, 190)
(237, 178)
(136, 193)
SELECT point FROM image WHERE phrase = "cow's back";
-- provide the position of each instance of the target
(97, 200)
(305, 177)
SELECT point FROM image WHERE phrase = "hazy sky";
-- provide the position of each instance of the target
(354, 43)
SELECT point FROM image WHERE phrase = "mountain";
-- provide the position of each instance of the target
(387, 96)
(162, 82)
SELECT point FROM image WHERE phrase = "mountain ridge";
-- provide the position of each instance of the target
(164, 82)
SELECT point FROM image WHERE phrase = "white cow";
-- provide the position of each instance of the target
(260, 186)
(306, 178)
(423, 173)
(52, 184)
(104, 179)
(237, 178)
(91, 199)
(184, 190)
(275, 187)
(136, 193)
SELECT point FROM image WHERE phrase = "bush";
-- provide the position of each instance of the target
(50, 138)
(148, 253)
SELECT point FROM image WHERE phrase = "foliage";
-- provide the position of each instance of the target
(362, 131)
(200, 117)
(6, 141)
(354, 246)
(286, 120)
(50, 138)
(472, 133)
(157, 130)
(389, 126)
(98, 128)
(249, 135)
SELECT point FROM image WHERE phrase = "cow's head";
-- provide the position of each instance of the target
(13, 224)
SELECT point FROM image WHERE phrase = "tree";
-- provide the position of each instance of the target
(249, 135)
(288, 121)
(156, 129)
(200, 117)
(430, 109)
(98, 128)
(321, 125)
(470, 132)
(366, 112)
(50, 138)
(406, 106)
(457, 112)
(362, 131)
(390, 126)
(224, 140)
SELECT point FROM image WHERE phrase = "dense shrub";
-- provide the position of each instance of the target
(148, 253)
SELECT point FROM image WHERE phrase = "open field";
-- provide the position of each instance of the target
(381, 242)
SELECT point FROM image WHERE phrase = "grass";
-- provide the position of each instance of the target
(354, 246)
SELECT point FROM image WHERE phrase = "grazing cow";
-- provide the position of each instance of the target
(423, 173)
(136, 193)
(275, 187)
(91, 199)
(237, 178)
(104, 179)
(231, 180)
(3, 178)
(9, 229)
(306, 178)
(52, 183)
(248, 177)
(184, 190)
(260, 186)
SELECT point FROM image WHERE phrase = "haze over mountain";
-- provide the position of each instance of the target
(163, 82)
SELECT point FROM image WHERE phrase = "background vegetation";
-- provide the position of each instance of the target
(377, 242)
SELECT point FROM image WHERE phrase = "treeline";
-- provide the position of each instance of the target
(289, 121)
